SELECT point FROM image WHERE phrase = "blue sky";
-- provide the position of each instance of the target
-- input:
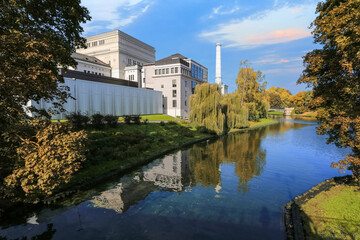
(272, 34)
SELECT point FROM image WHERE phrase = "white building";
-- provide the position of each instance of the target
(176, 77)
(120, 51)
(92, 65)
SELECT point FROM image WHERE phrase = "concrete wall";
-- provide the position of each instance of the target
(105, 98)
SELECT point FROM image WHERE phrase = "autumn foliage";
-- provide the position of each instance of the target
(334, 74)
(47, 159)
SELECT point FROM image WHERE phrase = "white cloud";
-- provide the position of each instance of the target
(219, 11)
(268, 27)
(276, 59)
(113, 14)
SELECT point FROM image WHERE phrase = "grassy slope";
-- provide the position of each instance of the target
(333, 214)
(116, 149)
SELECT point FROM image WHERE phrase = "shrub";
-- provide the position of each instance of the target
(97, 120)
(77, 120)
(162, 123)
(49, 158)
(300, 110)
(111, 120)
(132, 118)
(136, 119)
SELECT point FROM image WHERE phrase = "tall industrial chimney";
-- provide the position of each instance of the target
(218, 65)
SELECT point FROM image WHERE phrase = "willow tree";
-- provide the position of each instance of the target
(251, 88)
(205, 108)
(334, 74)
(237, 115)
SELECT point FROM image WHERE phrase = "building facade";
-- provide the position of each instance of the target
(120, 51)
(91, 65)
(176, 77)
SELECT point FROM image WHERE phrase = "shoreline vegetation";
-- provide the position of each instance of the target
(330, 210)
(116, 151)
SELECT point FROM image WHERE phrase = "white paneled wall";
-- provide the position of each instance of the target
(105, 98)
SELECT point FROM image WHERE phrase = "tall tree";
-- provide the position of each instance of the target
(251, 87)
(284, 94)
(334, 74)
(36, 37)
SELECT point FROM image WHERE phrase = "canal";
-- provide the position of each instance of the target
(230, 188)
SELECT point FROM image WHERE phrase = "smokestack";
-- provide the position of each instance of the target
(218, 65)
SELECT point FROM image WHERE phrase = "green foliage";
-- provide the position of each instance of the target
(334, 74)
(205, 108)
(49, 158)
(275, 101)
(111, 120)
(77, 120)
(236, 115)
(251, 88)
(97, 121)
(132, 118)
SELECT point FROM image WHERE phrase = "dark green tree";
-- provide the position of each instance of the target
(275, 100)
(334, 73)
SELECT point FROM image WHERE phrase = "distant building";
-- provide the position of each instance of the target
(176, 76)
(92, 65)
(121, 51)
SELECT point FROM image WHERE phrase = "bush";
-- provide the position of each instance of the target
(111, 120)
(49, 158)
(132, 118)
(77, 120)
(97, 120)
(162, 123)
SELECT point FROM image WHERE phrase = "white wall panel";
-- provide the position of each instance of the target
(104, 98)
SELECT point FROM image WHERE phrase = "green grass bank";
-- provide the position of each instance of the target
(330, 210)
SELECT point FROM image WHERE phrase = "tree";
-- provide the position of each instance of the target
(251, 87)
(284, 94)
(205, 108)
(334, 74)
(275, 101)
(35, 38)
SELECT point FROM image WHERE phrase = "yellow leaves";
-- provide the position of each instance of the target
(50, 159)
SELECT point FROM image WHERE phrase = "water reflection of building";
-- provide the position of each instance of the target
(168, 173)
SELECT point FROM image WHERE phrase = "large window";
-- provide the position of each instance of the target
(101, 42)
(174, 93)
(129, 61)
(172, 70)
(176, 70)
(174, 83)
(163, 71)
(174, 103)
(94, 44)
(156, 72)
(167, 71)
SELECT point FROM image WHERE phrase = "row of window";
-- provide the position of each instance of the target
(131, 77)
(94, 44)
(166, 71)
(132, 62)
(96, 73)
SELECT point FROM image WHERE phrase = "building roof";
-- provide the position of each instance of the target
(175, 58)
(87, 58)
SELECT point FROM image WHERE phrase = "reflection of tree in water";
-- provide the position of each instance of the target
(244, 150)
(205, 160)
(47, 235)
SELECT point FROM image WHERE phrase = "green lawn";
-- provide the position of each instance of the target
(333, 214)
(276, 113)
(156, 117)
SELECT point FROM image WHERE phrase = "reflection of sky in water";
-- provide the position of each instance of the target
(230, 188)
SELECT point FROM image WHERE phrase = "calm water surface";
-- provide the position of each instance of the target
(231, 188)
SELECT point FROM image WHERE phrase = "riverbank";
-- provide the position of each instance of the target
(116, 151)
(330, 210)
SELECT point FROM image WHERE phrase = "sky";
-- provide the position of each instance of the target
(273, 35)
